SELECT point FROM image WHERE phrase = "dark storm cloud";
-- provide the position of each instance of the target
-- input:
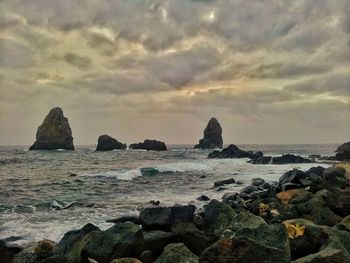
(79, 61)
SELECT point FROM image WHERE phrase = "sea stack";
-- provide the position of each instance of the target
(343, 152)
(149, 145)
(212, 136)
(107, 143)
(54, 133)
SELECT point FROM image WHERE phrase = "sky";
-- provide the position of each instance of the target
(271, 71)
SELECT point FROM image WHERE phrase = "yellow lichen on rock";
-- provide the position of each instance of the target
(263, 208)
(346, 166)
(294, 230)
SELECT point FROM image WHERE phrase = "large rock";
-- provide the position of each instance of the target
(44, 248)
(121, 240)
(149, 145)
(212, 136)
(156, 240)
(54, 133)
(25, 257)
(232, 151)
(177, 253)
(107, 143)
(343, 152)
(284, 159)
(7, 251)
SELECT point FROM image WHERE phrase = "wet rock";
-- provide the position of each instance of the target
(257, 182)
(212, 136)
(73, 242)
(149, 145)
(121, 240)
(7, 251)
(156, 240)
(224, 182)
(177, 253)
(234, 200)
(107, 143)
(54, 133)
(131, 218)
(203, 198)
(339, 201)
(284, 159)
(232, 151)
(44, 248)
(163, 217)
(126, 260)
(25, 257)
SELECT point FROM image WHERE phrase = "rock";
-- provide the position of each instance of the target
(339, 201)
(257, 182)
(344, 224)
(132, 218)
(156, 240)
(164, 217)
(107, 143)
(60, 258)
(196, 240)
(121, 240)
(334, 171)
(44, 249)
(223, 182)
(147, 256)
(149, 145)
(292, 176)
(73, 242)
(218, 216)
(232, 151)
(7, 251)
(203, 198)
(24, 257)
(177, 253)
(126, 260)
(212, 136)
(343, 152)
(54, 133)
(234, 200)
(284, 159)
(259, 245)
(286, 196)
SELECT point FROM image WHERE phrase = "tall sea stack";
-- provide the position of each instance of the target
(212, 136)
(54, 133)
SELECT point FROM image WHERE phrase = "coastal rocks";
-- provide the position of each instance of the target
(343, 152)
(177, 253)
(44, 248)
(212, 136)
(54, 133)
(156, 240)
(25, 257)
(7, 251)
(224, 182)
(149, 145)
(164, 217)
(107, 143)
(126, 260)
(121, 240)
(284, 159)
(232, 151)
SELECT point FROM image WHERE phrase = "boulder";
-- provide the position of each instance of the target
(177, 253)
(25, 257)
(156, 240)
(164, 217)
(203, 198)
(60, 258)
(212, 136)
(107, 143)
(126, 260)
(54, 133)
(339, 201)
(344, 224)
(44, 249)
(121, 240)
(73, 242)
(284, 159)
(343, 152)
(131, 218)
(149, 145)
(7, 251)
(223, 182)
(232, 151)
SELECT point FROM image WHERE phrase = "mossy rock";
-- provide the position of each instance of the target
(177, 253)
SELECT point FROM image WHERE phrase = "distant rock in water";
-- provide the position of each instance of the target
(232, 151)
(212, 136)
(107, 143)
(284, 159)
(343, 152)
(149, 145)
(54, 133)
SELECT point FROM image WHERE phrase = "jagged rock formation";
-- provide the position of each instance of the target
(107, 143)
(212, 136)
(54, 133)
(149, 145)
(343, 152)
(232, 151)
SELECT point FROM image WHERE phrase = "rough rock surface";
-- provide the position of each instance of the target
(177, 253)
(149, 145)
(54, 133)
(232, 151)
(107, 143)
(212, 136)
(343, 152)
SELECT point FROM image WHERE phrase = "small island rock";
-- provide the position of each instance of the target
(212, 136)
(54, 133)
(149, 145)
(107, 143)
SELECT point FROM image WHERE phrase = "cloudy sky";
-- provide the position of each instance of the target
(271, 71)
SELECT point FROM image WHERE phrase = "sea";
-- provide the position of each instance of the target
(44, 194)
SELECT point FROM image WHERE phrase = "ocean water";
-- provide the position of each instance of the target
(39, 198)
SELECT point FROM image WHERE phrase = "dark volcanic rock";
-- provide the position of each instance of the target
(177, 253)
(343, 152)
(223, 182)
(149, 145)
(54, 133)
(7, 252)
(232, 151)
(212, 136)
(107, 143)
(284, 159)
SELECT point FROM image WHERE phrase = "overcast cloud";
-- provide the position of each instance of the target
(271, 71)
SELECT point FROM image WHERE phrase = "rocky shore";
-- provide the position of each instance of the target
(304, 217)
